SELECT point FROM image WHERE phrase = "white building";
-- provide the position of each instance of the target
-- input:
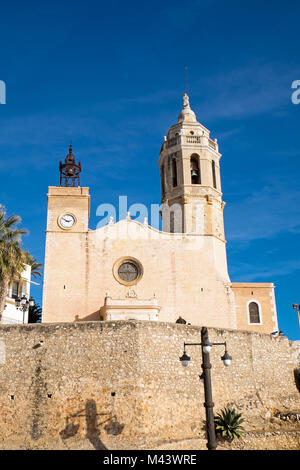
(17, 289)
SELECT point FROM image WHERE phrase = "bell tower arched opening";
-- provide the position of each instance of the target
(214, 178)
(174, 173)
(195, 169)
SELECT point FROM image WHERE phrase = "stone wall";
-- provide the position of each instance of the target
(120, 385)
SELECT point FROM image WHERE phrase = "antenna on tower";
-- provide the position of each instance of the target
(186, 81)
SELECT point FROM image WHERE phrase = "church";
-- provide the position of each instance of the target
(131, 270)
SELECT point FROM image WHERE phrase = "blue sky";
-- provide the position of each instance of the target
(110, 76)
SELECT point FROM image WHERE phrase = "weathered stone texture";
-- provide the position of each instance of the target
(120, 385)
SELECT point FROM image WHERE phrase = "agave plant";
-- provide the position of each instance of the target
(228, 424)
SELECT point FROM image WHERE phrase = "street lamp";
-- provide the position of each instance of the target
(24, 304)
(206, 376)
(297, 307)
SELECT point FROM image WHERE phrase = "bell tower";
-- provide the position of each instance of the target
(65, 289)
(190, 178)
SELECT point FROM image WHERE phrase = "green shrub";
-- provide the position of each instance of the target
(228, 424)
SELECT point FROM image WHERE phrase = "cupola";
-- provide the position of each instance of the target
(187, 114)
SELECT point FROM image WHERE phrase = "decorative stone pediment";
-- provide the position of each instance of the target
(130, 308)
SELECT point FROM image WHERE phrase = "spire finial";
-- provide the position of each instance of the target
(186, 81)
(186, 101)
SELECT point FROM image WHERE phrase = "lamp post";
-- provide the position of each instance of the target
(297, 307)
(24, 304)
(206, 366)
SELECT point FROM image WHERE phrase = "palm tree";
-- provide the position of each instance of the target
(12, 259)
(8, 230)
(36, 267)
(12, 264)
(35, 314)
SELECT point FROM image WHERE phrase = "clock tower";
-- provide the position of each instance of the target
(65, 279)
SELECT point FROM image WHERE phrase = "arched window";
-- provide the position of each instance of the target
(213, 166)
(195, 170)
(253, 309)
(174, 172)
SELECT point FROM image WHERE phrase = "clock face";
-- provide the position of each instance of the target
(67, 220)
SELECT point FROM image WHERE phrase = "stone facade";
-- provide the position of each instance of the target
(79, 271)
(120, 385)
(181, 271)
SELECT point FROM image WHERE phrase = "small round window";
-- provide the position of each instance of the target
(128, 271)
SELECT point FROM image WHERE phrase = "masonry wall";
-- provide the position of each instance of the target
(120, 385)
